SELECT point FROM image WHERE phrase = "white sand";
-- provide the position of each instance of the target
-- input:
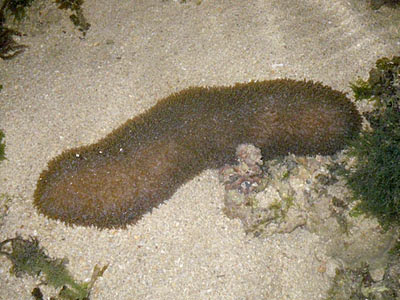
(65, 91)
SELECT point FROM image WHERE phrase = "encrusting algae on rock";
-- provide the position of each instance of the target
(115, 181)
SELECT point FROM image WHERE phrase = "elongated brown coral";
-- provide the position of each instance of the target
(143, 162)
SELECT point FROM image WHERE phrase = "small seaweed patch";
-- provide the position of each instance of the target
(5, 202)
(377, 4)
(361, 283)
(9, 48)
(16, 8)
(358, 284)
(2, 146)
(375, 179)
(27, 257)
(77, 17)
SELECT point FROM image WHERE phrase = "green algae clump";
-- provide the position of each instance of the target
(2, 146)
(376, 177)
(27, 257)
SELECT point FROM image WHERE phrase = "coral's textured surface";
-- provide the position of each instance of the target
(139, 165)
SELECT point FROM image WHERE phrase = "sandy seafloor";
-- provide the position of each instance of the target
(67, 91)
